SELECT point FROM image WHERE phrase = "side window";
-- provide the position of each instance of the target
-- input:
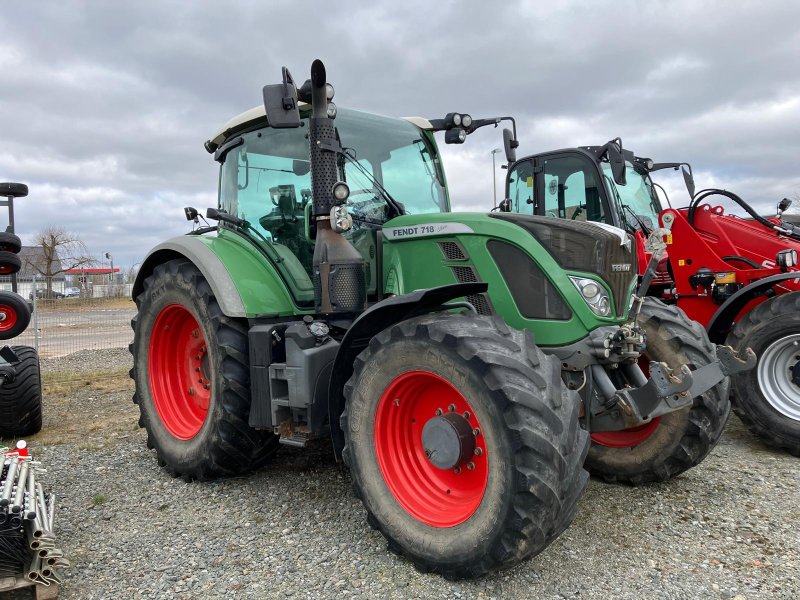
(520, 188)
(571, 190)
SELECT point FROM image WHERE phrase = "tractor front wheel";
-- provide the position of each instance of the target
(677, 441)
(767, 398)
(191, 371)
(464, 444)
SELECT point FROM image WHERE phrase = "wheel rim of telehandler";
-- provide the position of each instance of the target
(434, 496)
(778, 370)
(179, 385)
(8, 317)
(628, 438)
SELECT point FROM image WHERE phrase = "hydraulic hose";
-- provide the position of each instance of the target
(703, 194)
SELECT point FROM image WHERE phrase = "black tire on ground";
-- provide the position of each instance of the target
(682, 439)
(10, 242)
(21, 399)
(771, 329)
(10, 263)
(528, 421)
(15, 315)
(224, 444)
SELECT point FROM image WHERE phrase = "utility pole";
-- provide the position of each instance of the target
(494, 176)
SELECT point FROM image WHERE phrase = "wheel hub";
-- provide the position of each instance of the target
(778, 373)
(448, 441)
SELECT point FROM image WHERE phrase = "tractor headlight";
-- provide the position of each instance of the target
(331, 111)
(340, 191)
(594, 294)
(466, 120)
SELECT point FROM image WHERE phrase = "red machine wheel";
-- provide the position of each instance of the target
(191, 368)
(179, 383)
(15, 315)
(463, 443)
(435, 496)
(10, 263)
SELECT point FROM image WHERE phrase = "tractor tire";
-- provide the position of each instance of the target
(21, 399)
(677, 441)
(10, 242)
(10, 263)
(518, 470)
(15, 315)
(767, 398)
(192, 377)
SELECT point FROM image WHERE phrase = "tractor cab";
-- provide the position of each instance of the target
(265, 178)
(581, 184)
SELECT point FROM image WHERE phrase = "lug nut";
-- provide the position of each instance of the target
(452, 408)
(397, 401)
(476, 432)
(478, 451)
(191, 391)
(470, 466)
(467, 414)
(208, 386)
(195, 333)
(439, 412)
(457, 470)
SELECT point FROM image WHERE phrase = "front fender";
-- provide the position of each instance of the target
(374, 320)
(721, 322)
(244, 282)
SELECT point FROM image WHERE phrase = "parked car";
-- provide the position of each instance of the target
(43, 294)
(72, 292)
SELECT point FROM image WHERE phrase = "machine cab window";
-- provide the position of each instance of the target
(521, 188)
(571, 190)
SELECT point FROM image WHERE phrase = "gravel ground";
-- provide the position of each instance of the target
(726, 529)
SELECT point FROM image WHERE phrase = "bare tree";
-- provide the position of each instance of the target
(61, 251)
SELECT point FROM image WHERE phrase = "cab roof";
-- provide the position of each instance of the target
(257, 113)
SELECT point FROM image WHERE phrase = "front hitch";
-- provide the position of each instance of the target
(664, 392)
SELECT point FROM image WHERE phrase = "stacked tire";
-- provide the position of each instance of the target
(20, 382)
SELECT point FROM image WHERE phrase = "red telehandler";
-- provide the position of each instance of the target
(736, 276)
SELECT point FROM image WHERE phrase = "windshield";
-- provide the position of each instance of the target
(267, 179)
(636, 201)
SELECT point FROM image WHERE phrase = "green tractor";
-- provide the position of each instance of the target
(338, 297)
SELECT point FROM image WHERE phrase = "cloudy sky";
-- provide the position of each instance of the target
(104, 106)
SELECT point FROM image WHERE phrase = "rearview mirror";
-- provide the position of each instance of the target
(688, 178)
(617, 161)
(510, 146)
(280, 103)
(301, 167)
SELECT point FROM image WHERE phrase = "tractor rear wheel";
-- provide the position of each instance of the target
(767, 398)
(464, 444)
(21, 399)
(192, 376)
(677, 441)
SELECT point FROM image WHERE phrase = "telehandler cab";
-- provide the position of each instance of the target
(337, 295)
(738, 277)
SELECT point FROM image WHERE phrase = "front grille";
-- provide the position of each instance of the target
(585, 246)
(465, 274)
(534, 294)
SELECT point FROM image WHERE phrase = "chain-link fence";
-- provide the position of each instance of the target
(65, 326)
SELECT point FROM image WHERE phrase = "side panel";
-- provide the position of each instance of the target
(414, 259)
(244, 282)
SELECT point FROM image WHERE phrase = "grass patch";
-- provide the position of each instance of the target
(59, 383)
(99, 500)
(83, 304)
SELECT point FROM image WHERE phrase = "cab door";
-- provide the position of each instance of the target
(570, 187)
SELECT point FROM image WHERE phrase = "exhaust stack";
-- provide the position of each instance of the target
(339, 269)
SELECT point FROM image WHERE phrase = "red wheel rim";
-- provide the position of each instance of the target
(434, 496)
(628, 438)
(9, 316)
(177, 367)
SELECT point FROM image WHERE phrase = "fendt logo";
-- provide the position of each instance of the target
(620, 267)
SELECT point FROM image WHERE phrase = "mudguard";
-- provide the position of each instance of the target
(374, 320)
(720, 324)
(243, 281)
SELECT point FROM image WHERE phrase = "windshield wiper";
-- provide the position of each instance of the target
(396, 207)
(645, 229)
